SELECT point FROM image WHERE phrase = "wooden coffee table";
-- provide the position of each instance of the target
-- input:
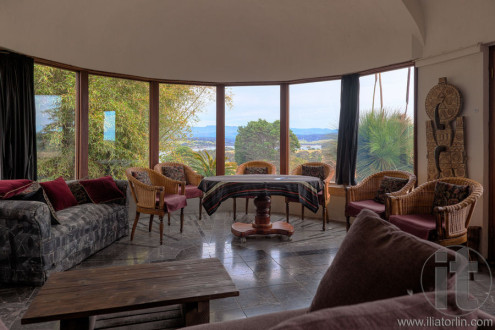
(75, 297)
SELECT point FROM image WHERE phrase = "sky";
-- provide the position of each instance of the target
(312, 105)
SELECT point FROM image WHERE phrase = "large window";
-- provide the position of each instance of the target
(55, 102)
(118, 125)
(386, 124)
(252, 126)
(188, 126)
(314, 122)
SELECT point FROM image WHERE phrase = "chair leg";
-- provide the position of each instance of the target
(161, 230)
(181, 219)
(470, 257)
(151, 222)
(235, 206)
(168, 216)
(287, 212)
(324, 217)
(247, 203)
(200, 207)
(134, 225)
(347, 223)
(302, 211)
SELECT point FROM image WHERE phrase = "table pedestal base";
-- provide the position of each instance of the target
(262, 224)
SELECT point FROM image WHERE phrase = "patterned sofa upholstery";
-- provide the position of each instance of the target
(31, 248)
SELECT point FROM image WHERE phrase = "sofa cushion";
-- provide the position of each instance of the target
(59, 194)
(316, 171)
(376, 261)
(84, 214)
(102, 190)
(79, 193)
(420, 225)
(382, 314)
(449, 194)
(251, 323)
(174, 172)
(256, 170)
(353, 208)
(388, 185)
(9, 188)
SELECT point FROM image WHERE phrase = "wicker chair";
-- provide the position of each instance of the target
(192, 182)
(361, 196)
(241, 170)
(329, 172)
(445, 225)
(153, 199)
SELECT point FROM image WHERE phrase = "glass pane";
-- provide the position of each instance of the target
(188, 126)
(118, 125)
(314, 122)
(386, 123)
(55, 103)
(252, 126)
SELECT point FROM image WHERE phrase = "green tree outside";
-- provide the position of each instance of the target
(385, 142)
(179, 106)
(260, 140)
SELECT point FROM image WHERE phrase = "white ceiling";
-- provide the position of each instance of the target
(241, 40)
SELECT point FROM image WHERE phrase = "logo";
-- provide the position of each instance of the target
(457, 273)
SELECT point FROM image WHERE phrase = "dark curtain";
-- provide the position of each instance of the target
(347, 143)
(17, 117)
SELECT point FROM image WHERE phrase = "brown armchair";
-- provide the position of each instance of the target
(446, 225)
(241, 170)
(191, 183)
(324, 197)
(361, 196)
(155, 194)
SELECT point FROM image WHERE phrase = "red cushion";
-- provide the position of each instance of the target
(420, 225)
(193, 191)
(353, 208)
(9, 188)
(102, 190)
(173, 202)
(59, 194)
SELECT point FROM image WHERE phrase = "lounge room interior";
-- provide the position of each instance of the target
(247, 164)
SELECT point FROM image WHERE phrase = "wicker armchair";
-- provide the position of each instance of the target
(445, 225)
(361, 196)
(241, 170)
(329, 172)
(156, 198)
(192, 181)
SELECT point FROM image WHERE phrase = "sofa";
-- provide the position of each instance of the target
(381, 278)
(31, 247)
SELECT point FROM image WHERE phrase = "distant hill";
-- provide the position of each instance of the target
(308, 134)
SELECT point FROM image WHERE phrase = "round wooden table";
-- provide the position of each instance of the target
(219, 188)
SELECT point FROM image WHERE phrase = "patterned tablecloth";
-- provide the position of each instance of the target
(219, 188)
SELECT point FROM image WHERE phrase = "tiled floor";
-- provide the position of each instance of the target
(271, 273)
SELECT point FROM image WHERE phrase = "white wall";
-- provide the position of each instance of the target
(467, 69)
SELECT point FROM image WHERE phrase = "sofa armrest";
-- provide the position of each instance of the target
(26, 216)
(25, 228)
(123, 185)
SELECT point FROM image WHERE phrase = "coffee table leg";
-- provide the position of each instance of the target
(83, 323)
(196, 312)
